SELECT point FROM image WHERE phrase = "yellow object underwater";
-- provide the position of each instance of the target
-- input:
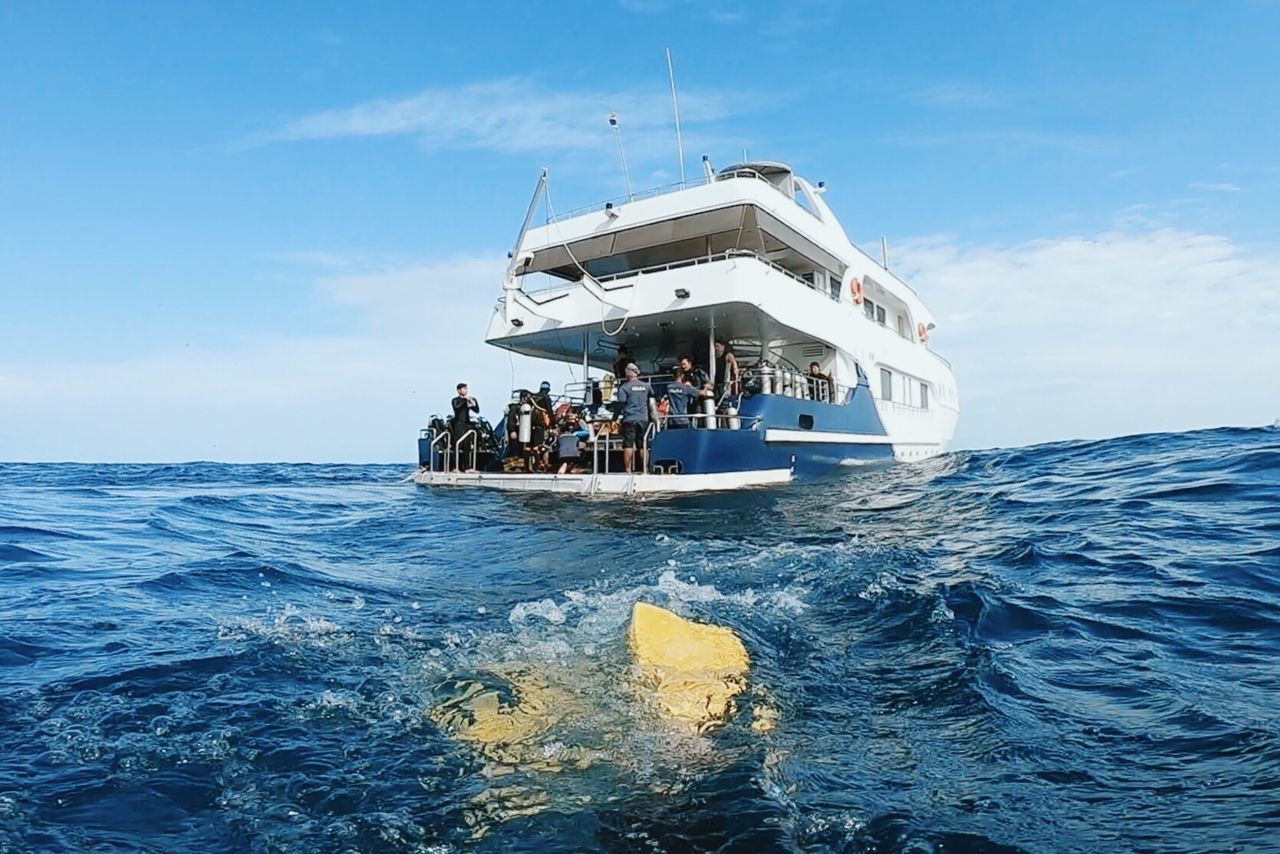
(695, 669)
(549, 718)
(692, 672)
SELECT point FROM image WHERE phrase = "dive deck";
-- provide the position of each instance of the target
(606, 484)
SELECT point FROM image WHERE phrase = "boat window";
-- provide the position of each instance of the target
(886, 384)
(880, 315)
(806, 422)
(833, 285)
(870, 308)
(924, 396)
(902, 326)
(802, 198)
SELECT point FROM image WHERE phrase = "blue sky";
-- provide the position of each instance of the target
(275, 231)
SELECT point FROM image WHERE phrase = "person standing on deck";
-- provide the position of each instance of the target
(542, 419)
(727, 371)
(463, 405)
(820, 386)
(681, 396)
(695, 375)
(625, 357)
(638, 409)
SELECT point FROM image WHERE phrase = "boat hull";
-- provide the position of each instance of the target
(607, 484)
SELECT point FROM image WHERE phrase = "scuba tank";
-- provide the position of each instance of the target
(735, 423)
(766, 380)
(525, 430)
(709, 409)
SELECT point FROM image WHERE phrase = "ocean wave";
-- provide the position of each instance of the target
(1014, 649)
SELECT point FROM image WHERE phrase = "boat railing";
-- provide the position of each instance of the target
(454, 455)
(728, 254)
(441, 441)
(604, 281)
(709, 421)
(743, 173)
(651, 192)
(654, 192)
(603, 438)
(448, 450)
(798, 384)
(474, 445)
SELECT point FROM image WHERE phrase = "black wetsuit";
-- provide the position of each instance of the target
(461, 423)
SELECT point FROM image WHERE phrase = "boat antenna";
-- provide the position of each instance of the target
(675, 107)
(622, 154)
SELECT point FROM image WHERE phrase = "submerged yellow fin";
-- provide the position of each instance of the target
(695, 669)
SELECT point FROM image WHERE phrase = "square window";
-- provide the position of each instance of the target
(886, 384)
(880, 315)
(870, 308)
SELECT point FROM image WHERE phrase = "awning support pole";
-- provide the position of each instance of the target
(711, 352)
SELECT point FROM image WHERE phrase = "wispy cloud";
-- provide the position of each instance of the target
(1118, 332)
(957, 94)
(1214, 187)
(726, 17)
(413, 330)
(511, 115)
(1056, 338)
(1003, 136)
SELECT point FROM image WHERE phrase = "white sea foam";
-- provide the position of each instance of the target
(545, 609)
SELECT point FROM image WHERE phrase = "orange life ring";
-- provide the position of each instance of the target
(922, 332)
(855, 288)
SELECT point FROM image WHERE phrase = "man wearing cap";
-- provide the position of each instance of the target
(638, 409)
(463, 405)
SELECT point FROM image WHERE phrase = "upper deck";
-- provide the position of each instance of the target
(760, 207)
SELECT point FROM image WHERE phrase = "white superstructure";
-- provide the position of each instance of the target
(755, 256)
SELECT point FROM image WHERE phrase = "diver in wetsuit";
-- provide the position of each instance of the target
(460, 424)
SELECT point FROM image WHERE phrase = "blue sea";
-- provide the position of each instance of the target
(1073, 646)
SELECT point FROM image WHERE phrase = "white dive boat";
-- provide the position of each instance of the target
(753, 256)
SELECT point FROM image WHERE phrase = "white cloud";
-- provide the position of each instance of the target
(1128, 331)
(511, 115)
(1212, 187)
(355, 397)
(957, 94)
(1096, 336)
(1080, 142)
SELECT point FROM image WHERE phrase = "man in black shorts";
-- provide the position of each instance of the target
(638, 409)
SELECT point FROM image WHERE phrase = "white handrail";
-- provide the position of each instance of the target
(474, 443)
(444, 455)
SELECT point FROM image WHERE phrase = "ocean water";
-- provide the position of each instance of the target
(1068, 647)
